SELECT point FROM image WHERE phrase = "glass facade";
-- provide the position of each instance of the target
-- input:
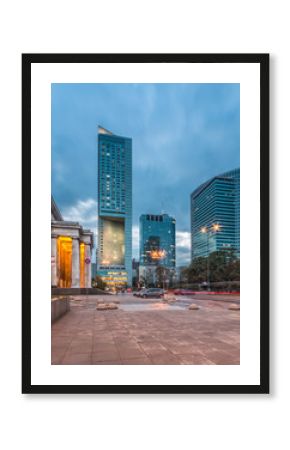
(216, 201)
(157, 240)
(114, 208)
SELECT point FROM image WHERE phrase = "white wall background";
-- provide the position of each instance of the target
(137, 422)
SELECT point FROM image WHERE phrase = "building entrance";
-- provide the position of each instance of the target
(64, 258)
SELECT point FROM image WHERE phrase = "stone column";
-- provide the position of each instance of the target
(54, 280)
(75, 282)
(88, 267)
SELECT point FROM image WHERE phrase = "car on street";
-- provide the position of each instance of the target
(152, 293)
(139, 293)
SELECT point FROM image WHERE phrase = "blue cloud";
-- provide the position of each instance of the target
(182, 135)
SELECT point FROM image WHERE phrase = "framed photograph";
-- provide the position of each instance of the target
(145, 223)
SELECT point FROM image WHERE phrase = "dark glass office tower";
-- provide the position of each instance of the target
(217, 201)
(114, 208)
(157, 240)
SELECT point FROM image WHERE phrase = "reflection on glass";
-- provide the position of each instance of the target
(114, 243)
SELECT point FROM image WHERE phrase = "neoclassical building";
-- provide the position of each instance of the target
(71, 248)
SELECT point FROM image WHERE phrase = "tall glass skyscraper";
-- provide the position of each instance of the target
(114, 208)
(217, 201)
(157, 240)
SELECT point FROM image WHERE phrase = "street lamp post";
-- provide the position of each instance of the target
(209, 230)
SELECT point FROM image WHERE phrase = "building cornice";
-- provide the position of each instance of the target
(55, 211)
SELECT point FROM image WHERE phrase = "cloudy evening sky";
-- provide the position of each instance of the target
(182, 134)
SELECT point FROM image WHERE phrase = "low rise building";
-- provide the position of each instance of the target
(71, 248)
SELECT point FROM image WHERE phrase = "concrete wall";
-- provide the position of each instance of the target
(59, 307)
(77, 291)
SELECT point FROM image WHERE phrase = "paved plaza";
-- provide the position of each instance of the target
(148, 332)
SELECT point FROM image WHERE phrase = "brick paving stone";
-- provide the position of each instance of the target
(80, 347)
(153, 348)
(195, 359)
(105, 356)
(184, 349)
(57, 355)
(219, 357)
(114, 362)
(104, 347)
(61, 341)
(210, 335)
(165, 358)
(131, 353)
(104, 338)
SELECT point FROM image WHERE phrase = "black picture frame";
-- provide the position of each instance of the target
(263, 61)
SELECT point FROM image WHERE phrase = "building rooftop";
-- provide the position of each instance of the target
(105, 132)
(102, 130)
(226, 175)
(156, 217)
